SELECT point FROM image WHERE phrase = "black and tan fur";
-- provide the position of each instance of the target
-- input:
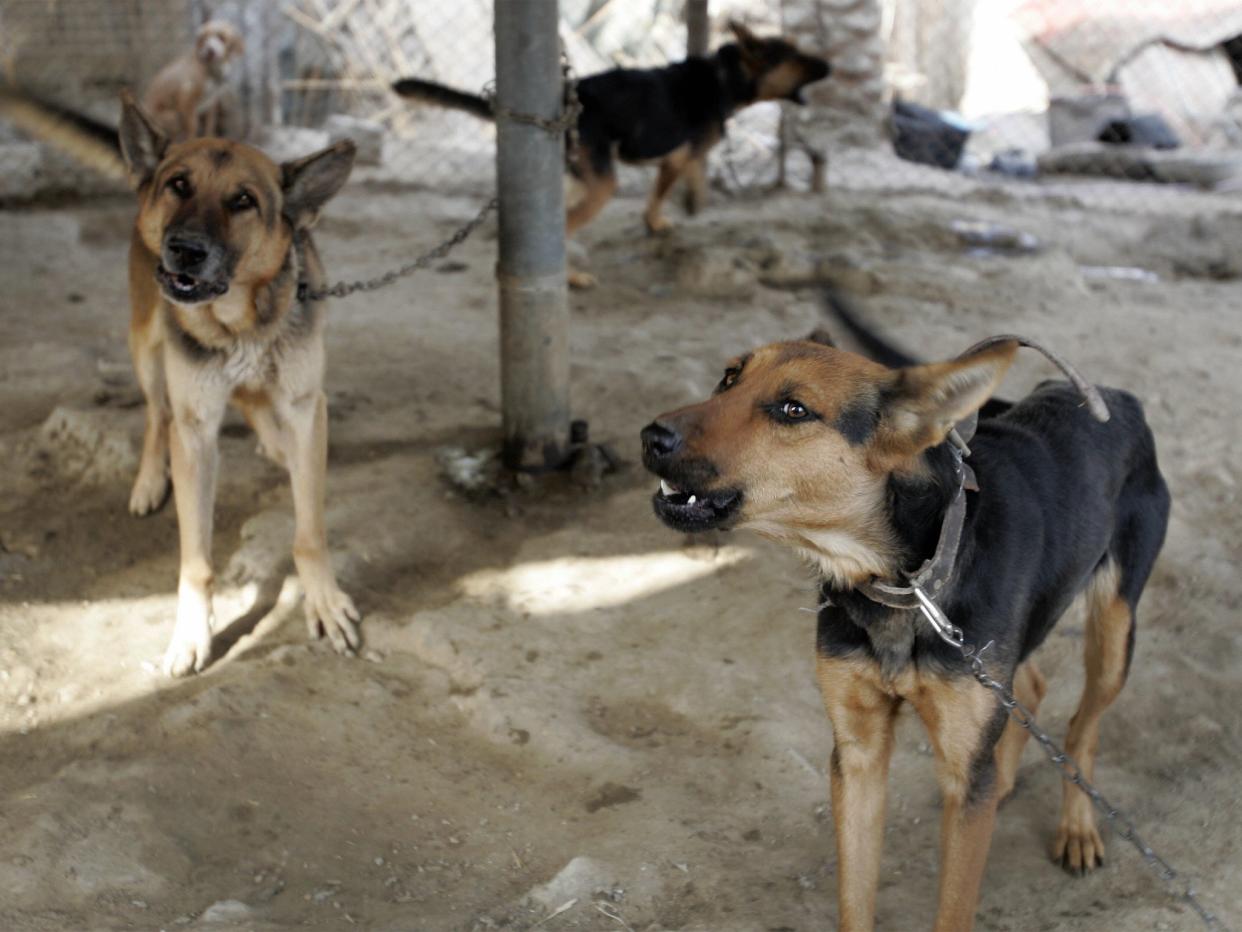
(846, 460)
(221, 241)
(672, 116)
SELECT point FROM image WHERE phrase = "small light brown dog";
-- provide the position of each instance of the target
(185, 97)
(220, 251)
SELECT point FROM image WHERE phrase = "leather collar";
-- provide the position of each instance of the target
(299, 254)
(934, 575)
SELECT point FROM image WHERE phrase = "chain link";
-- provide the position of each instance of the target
(571, 107)
(1070, 771)
(566, 122)
(342, 289)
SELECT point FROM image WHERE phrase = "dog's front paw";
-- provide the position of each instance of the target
(1078, 847)
(580, 281)
(657, 225)
(149, 493)
(330, 611)
(190, 648)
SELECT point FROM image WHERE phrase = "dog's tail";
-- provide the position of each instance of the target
(873, 345)
(444, 96)
(876, 348)
(83, 138)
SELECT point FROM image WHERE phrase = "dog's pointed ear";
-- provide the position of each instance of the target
(923, 403)
(743, 34)
(749, 45)
(143, 144)
(310, 182)
(822, 337)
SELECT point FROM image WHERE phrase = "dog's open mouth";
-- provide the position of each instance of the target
(186, 289)
(686, 510)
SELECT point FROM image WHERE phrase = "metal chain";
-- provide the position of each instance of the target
(571, 107)
(341, 289)
(567, 122)
(1070, 771)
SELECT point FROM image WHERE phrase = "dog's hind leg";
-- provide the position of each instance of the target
(595, 186)
(1109, 633)
(1029, 686)
(862, 717)
(150, 489)
(597, 189)
(1112, 599)
(268, 429)
(671, 167)
(695, 174)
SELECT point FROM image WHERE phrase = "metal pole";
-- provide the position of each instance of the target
(534, 306)
(697, 27)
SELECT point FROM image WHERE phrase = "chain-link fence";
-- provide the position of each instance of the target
(347, 54)
(1132, 102)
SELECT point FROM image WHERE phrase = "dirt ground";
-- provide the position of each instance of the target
(561, 702)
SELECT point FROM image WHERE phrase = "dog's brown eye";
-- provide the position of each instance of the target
(243, 201)
(730, 378)
(793, 410)
(179, 186)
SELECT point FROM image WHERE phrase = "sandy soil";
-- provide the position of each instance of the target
(560, 700)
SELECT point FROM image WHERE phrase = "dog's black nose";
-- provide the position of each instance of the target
(659, 441)
(186, 253)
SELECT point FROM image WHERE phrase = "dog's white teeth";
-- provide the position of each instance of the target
(692, 499)
(666, 489)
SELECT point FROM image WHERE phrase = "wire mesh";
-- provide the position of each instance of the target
(1128, 103)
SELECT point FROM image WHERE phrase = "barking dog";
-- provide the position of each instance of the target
(671, 115)
(186, 96)
(846, 460)
(219, 252)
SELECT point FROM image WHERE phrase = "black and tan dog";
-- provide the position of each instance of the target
(671, 115)
(846, 460)
(219, 252)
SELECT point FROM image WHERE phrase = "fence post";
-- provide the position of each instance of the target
(534, 306)
(697, 27)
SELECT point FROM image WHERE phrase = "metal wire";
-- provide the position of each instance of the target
(342, 289)
(951, 634)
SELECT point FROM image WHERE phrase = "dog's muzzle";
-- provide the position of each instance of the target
(816, 69)
(190, 270)
(684, 502)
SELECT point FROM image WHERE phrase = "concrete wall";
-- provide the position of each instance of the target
(849, 106)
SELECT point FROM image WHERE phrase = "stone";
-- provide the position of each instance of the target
(863, 21)
(227, 911)
(576, 880)
(88, 445)
(856, 63)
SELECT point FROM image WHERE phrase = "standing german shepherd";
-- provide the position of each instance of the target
(673, 115)
(850, 463)
(220, 253)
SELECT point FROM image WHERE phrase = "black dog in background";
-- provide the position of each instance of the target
(673, 115)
